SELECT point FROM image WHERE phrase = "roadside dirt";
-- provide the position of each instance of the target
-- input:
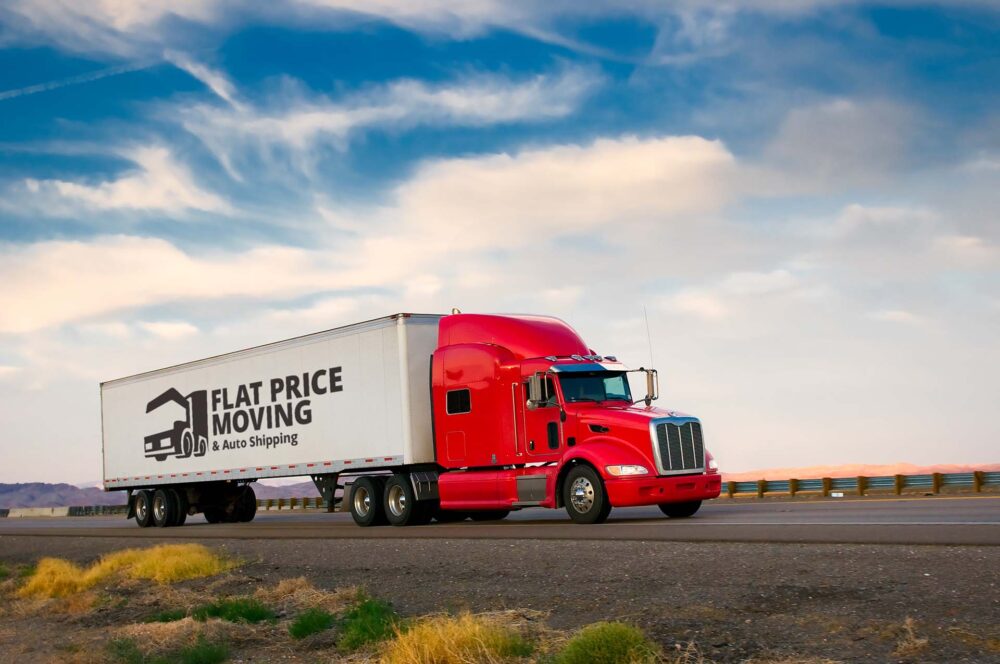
(734, 602)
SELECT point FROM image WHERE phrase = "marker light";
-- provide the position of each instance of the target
(619, 471)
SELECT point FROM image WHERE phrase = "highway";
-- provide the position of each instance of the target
(964, 520)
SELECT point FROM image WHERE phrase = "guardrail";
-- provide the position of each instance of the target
(863, 485)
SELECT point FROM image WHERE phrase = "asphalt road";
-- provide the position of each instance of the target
(944, 520)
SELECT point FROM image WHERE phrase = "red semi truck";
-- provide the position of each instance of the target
(435, 417)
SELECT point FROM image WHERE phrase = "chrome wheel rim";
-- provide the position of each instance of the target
(397, 500)
(141, 509)
(159, 509)
(581, 494)
(362, 501)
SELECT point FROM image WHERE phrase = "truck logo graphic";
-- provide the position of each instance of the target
(188, 436)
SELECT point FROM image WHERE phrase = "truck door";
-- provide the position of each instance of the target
(542, 429)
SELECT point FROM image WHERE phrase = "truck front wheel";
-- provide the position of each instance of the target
(144, 508)
(367, 508)
(584, 495)
(680, 510)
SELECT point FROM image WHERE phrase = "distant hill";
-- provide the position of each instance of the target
(854, 470)
(41, 494)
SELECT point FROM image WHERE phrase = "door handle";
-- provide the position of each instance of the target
(531, 444)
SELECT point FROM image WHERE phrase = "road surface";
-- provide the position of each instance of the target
(971, 520)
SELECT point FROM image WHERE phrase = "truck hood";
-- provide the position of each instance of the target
(611, 414)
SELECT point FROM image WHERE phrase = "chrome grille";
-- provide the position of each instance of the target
(679, 447)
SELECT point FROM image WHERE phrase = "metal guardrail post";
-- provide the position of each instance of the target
(793, 487)
(761, 488)
(897, 485)
(827, 484)
(731, 489)
(977, 481)
(862, 485)
(935, 482)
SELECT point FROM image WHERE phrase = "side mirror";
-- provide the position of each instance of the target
(534, 392)
(652, 385)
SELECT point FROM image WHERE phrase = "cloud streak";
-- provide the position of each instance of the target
(75, 80)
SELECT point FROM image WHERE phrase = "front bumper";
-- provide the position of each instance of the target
(648, 490)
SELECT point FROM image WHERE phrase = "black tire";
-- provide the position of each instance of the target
(367, 502)
(143, 508)
(450, 516)
(164, 508)
(489, 515)
(591, 504)
(246, 506)
(160, 457)
(214, 514)
(187, 445)
(181, 506)
(400, 503)
(680, 510)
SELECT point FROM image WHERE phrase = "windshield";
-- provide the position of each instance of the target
(595, 386)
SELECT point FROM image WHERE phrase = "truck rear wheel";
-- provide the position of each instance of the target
(214, 514)
(584, 495)
(164, 508)
(143, 508)
(367, 507)
(400, 503)
(680, 510)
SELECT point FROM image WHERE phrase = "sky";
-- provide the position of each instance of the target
(800, 196)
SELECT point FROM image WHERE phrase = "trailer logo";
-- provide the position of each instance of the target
(188, 436)
(276, 404)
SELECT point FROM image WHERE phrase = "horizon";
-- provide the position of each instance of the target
(789, 210)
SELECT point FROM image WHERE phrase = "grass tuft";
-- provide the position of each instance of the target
(166, 563)
(909, 643)
(202, 651)
(4, 572)
(456, 640)
(608, 643)
(370, 621)
(309, 622)
(237, 609)
(167, 616)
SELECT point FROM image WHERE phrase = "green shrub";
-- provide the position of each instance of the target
(608, 643)
(166, 616)
(312, 621)
(125, 651)
(237, 609)
(4, 572)
(370, 621)
(203, 652)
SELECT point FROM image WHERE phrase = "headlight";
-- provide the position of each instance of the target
(618, 471)
(713, 467)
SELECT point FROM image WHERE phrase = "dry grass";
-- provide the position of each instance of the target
(299, 594)
(793, 659)
(990, 644)
(456, 640)
(908, 643)
(166, 563)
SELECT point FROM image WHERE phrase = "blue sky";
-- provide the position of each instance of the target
(802, 195)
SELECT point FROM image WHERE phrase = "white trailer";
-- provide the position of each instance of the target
(191, 437)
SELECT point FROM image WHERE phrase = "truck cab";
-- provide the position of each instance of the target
(525, 414)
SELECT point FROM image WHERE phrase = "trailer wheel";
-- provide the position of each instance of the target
(163, 508)
(489, 515)
(181, 504)
(401, 506)
(143, 508)
(367, 507)
(584, 495)
(680, 510)
(213, 514)
(246, 506)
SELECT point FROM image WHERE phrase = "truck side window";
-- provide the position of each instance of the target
(459, 401)
(548, 391)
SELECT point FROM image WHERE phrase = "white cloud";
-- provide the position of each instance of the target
(169, 330)
(303, 123)
(160, 185)
(215, 80)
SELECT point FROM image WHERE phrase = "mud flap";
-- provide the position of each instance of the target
(131, 506)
